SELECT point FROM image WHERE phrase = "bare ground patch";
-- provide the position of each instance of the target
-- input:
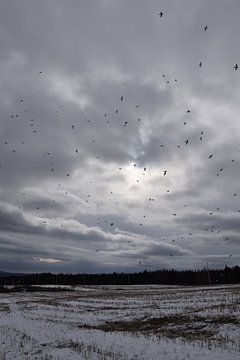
(177, 326)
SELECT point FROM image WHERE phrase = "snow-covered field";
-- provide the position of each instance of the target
(122, 322)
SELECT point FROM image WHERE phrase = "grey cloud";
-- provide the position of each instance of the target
(80, 156)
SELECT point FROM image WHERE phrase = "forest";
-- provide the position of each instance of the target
(228, 275)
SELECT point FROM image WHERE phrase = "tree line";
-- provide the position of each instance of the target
(228, 275)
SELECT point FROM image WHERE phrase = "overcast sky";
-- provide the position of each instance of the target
(120, 135)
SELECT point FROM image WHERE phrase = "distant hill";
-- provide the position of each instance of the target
(5, 274)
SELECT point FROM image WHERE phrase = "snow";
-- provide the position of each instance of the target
(72, 325)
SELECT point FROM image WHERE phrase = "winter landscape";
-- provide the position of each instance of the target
(122, 323)
(120, 154)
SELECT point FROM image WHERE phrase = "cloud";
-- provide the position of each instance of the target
(47, 260)
(97, 100)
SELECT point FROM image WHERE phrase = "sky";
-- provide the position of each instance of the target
(119, 135)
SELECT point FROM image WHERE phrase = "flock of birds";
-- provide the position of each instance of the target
(105, 223)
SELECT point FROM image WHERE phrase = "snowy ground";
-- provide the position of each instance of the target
(129, 323)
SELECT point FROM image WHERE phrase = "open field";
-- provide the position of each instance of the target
(122, 322)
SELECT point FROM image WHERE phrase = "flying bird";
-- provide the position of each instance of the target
(235, 67)
(205, 28)
(161, 14)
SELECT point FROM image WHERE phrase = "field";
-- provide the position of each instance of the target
(122, 323)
